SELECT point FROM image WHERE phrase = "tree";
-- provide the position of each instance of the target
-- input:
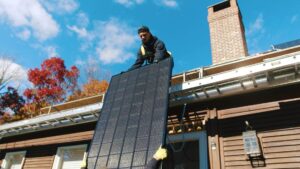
(90, 69)
(9, 71)
(52, 83)
(93, 78)
(11, 106)
(93, 87)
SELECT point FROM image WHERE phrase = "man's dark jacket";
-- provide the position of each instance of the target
(155, 51)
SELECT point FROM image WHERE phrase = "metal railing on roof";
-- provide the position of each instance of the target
(67, 117)
(281, 70)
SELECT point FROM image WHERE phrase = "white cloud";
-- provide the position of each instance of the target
(294, 19)
(82, 19)
(80, 29)
(15, 75)
(24, 35)
(169, 3)
(51, 51)
(255, 33)
(90, 62)
(60, 6)
(257, 26)
(111, 40)
(81, 32)
(30, 15)
(166, 3)
(115, 41)
(80, 62)
(129, 3)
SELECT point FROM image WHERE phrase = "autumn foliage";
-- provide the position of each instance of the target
(52, 83)
(91, 88)
(11, 106)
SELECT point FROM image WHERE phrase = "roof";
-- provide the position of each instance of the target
(256, 73)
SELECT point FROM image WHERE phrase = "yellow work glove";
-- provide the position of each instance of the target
(83, 165)
(160, 154)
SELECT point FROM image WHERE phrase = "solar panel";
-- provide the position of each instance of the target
(287, 44)
(133, 118)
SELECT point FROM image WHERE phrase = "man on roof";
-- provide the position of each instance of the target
(152, 49)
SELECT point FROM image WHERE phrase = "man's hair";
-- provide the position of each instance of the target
(143, 29)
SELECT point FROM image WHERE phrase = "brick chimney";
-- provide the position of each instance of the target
(227, 34)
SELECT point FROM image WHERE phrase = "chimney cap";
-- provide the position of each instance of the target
(218, 3)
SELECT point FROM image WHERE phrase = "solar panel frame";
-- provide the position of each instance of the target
(133, 118)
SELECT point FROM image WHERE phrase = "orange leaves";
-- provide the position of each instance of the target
(33, 108)
(95, 87)
(91, 88)
(4, 118)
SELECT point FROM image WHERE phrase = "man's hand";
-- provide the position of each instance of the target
(83, 164)
(160, 154)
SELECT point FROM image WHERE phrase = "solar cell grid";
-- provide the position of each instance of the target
(132, 122)
(139, 158)
(126, 159)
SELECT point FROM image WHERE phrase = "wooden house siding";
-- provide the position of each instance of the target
(277, 125)
(41, 147)
(55, 136)
(40, 157)
(65, 138)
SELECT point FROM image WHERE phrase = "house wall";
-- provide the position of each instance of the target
(274, 114)
(277, 127)
(277, 124)
(41, 147)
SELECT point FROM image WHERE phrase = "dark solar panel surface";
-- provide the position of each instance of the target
(132, 122)
(287, 44)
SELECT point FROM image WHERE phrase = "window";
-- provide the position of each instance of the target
(14, 160)
(187, 150)
(183, 155)
(70, 157)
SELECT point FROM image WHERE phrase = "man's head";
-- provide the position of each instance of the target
(144, 34)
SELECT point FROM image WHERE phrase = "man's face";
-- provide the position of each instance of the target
(145, 36)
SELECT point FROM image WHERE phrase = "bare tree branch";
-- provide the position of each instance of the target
(91, 69)
(9, 71)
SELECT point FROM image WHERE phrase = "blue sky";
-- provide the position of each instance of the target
(103, 32)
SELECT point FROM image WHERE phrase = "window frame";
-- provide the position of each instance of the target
(5, 163)
(201, 137)
(58, 155)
